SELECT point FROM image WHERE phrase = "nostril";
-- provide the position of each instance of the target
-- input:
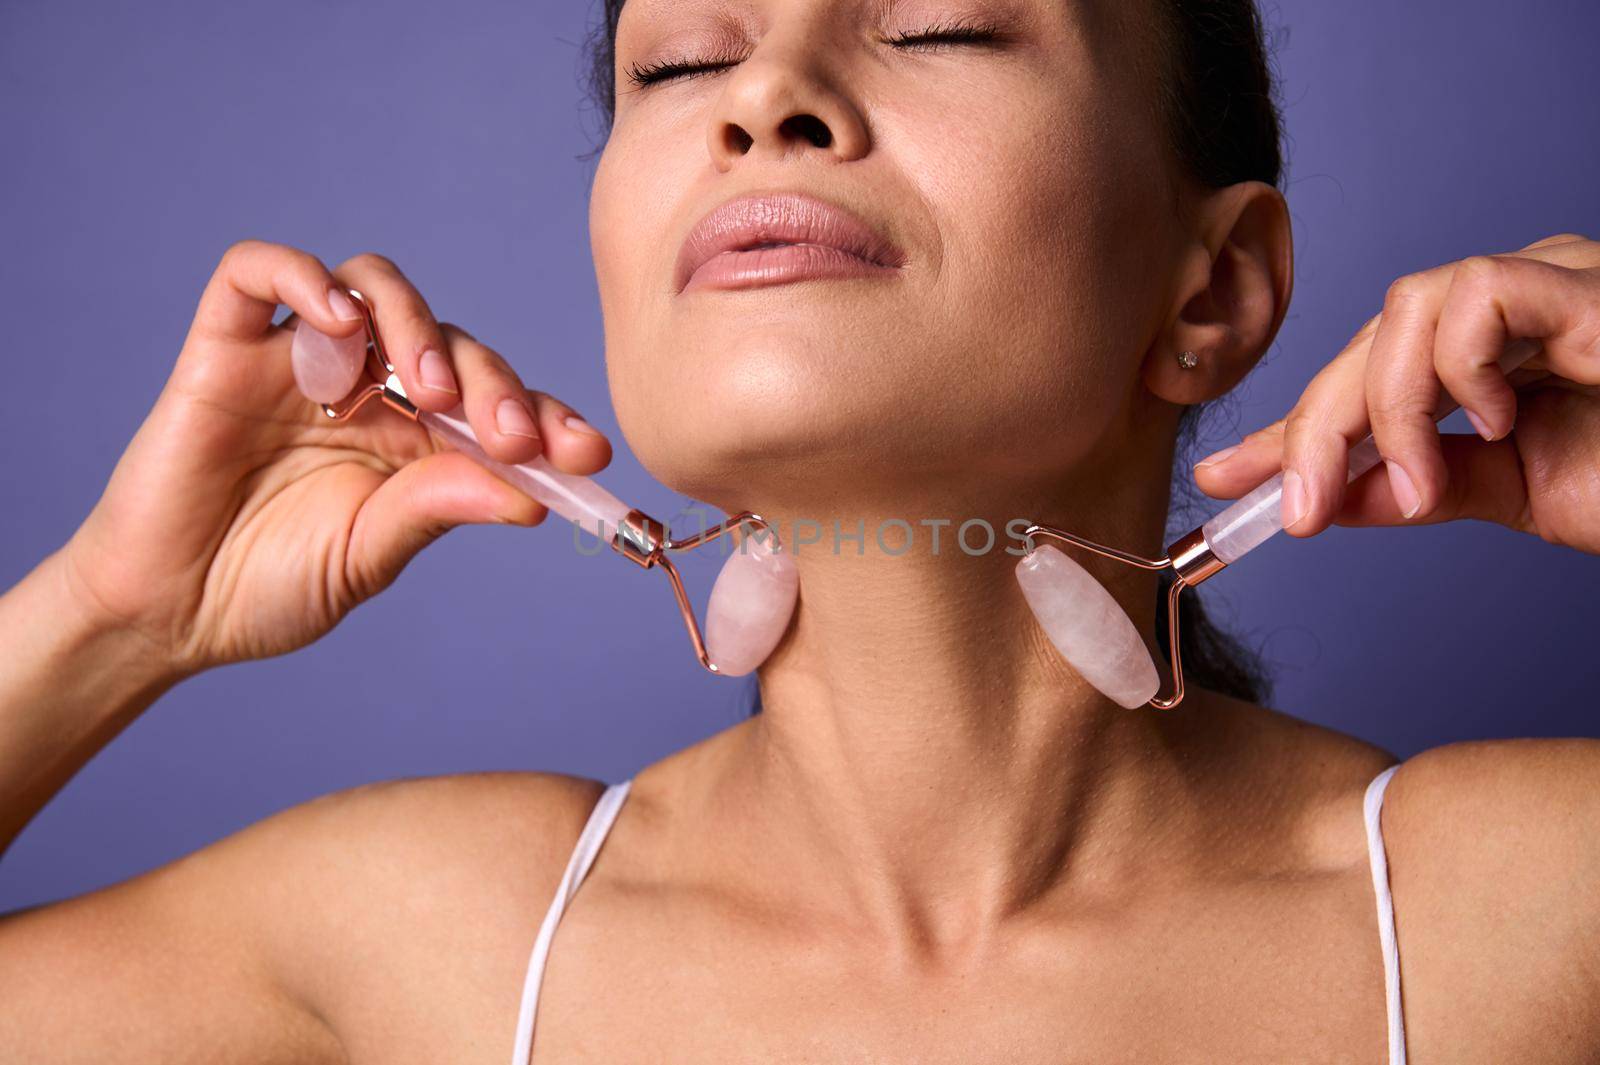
(738, 139)
(810, 127)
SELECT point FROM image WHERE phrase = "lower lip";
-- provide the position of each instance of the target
(780, 265)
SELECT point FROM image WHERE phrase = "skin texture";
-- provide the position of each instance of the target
(937, 844)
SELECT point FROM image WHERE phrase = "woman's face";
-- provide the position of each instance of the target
(1024, 183)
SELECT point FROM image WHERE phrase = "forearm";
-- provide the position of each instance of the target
(70, 681)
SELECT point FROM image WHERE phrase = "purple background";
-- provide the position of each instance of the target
(140, 140)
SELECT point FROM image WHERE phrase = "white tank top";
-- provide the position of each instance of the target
(605, 814)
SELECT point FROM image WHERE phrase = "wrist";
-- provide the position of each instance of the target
(89, 640)
(71, 678)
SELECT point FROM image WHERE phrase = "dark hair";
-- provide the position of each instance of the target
(1217, 96)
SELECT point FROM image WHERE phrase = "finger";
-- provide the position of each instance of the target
(1402, 389)
(417, 505)
(411, 335)
(570, 443)
(1316, 442)
(1310, 445)
(497, 405)
(1326, 406)
(1233, 471)
(254, 277)
(1485, 482)
(1565, 249)
(1467, 355)
(1493, 300)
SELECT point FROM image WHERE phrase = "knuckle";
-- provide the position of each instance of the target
(1271, 437)
(1477, 274)
(241, 249)
(1326, 392)
(370, 262)
(1265, 436)
(1383, 412)
(304, 260)
(1560, 238)
(1300, 422)
(1403, 293)
(504, 368)
(1390, 400)
(1586, 336)
(240, 252)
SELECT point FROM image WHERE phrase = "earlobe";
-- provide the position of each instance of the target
(1231, 297)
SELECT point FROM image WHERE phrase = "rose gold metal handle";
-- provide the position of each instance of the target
(644, 540)
(1189, 557)
(639, 538)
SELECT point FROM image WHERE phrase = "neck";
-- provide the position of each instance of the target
(922, 743)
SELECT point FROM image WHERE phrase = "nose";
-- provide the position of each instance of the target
(782, 99)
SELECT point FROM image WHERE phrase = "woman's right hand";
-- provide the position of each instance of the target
(242, 523)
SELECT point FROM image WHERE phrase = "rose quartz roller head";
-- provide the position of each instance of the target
(1093, 633)
(1090, 628)
(754, 595)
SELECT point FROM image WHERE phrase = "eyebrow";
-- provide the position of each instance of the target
(1020, 13)
(724, 18)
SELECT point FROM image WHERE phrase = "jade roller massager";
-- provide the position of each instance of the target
(754, 594)
(753, 598)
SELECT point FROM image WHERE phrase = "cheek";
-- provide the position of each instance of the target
(1048, 212)
(629, 215)
(1034, 217)
(618, 201)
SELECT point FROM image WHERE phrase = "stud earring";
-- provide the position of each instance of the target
(1188, 360)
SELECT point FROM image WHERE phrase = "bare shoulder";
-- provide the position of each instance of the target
(1319, 765)
(1494, 861)
(419, 898)
(517, 823)
(443, 858)
(303, 936)
(1529, 806)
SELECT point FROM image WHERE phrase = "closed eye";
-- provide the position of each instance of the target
(944, 34)
(642, 74)
(939, 35)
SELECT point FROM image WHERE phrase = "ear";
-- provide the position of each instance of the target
(1233, 290)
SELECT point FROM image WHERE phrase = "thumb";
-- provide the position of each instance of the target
(418, 504)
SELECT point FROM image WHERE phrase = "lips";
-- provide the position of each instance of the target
(776, 238)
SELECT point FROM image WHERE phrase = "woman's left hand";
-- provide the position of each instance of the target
(1536, 467)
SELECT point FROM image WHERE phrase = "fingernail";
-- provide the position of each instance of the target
(513, 419)
(1218, 456)
(1294, 498)
(1480, 425)
(435, 372)
(572, 421)
(341, 306)
(1405, 492)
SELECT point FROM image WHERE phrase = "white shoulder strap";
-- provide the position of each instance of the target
(1372, 809)
(583, 854)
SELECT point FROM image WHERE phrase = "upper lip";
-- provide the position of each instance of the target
(781, 218)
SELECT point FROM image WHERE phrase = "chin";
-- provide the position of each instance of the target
(804, 406)
(725, 429)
